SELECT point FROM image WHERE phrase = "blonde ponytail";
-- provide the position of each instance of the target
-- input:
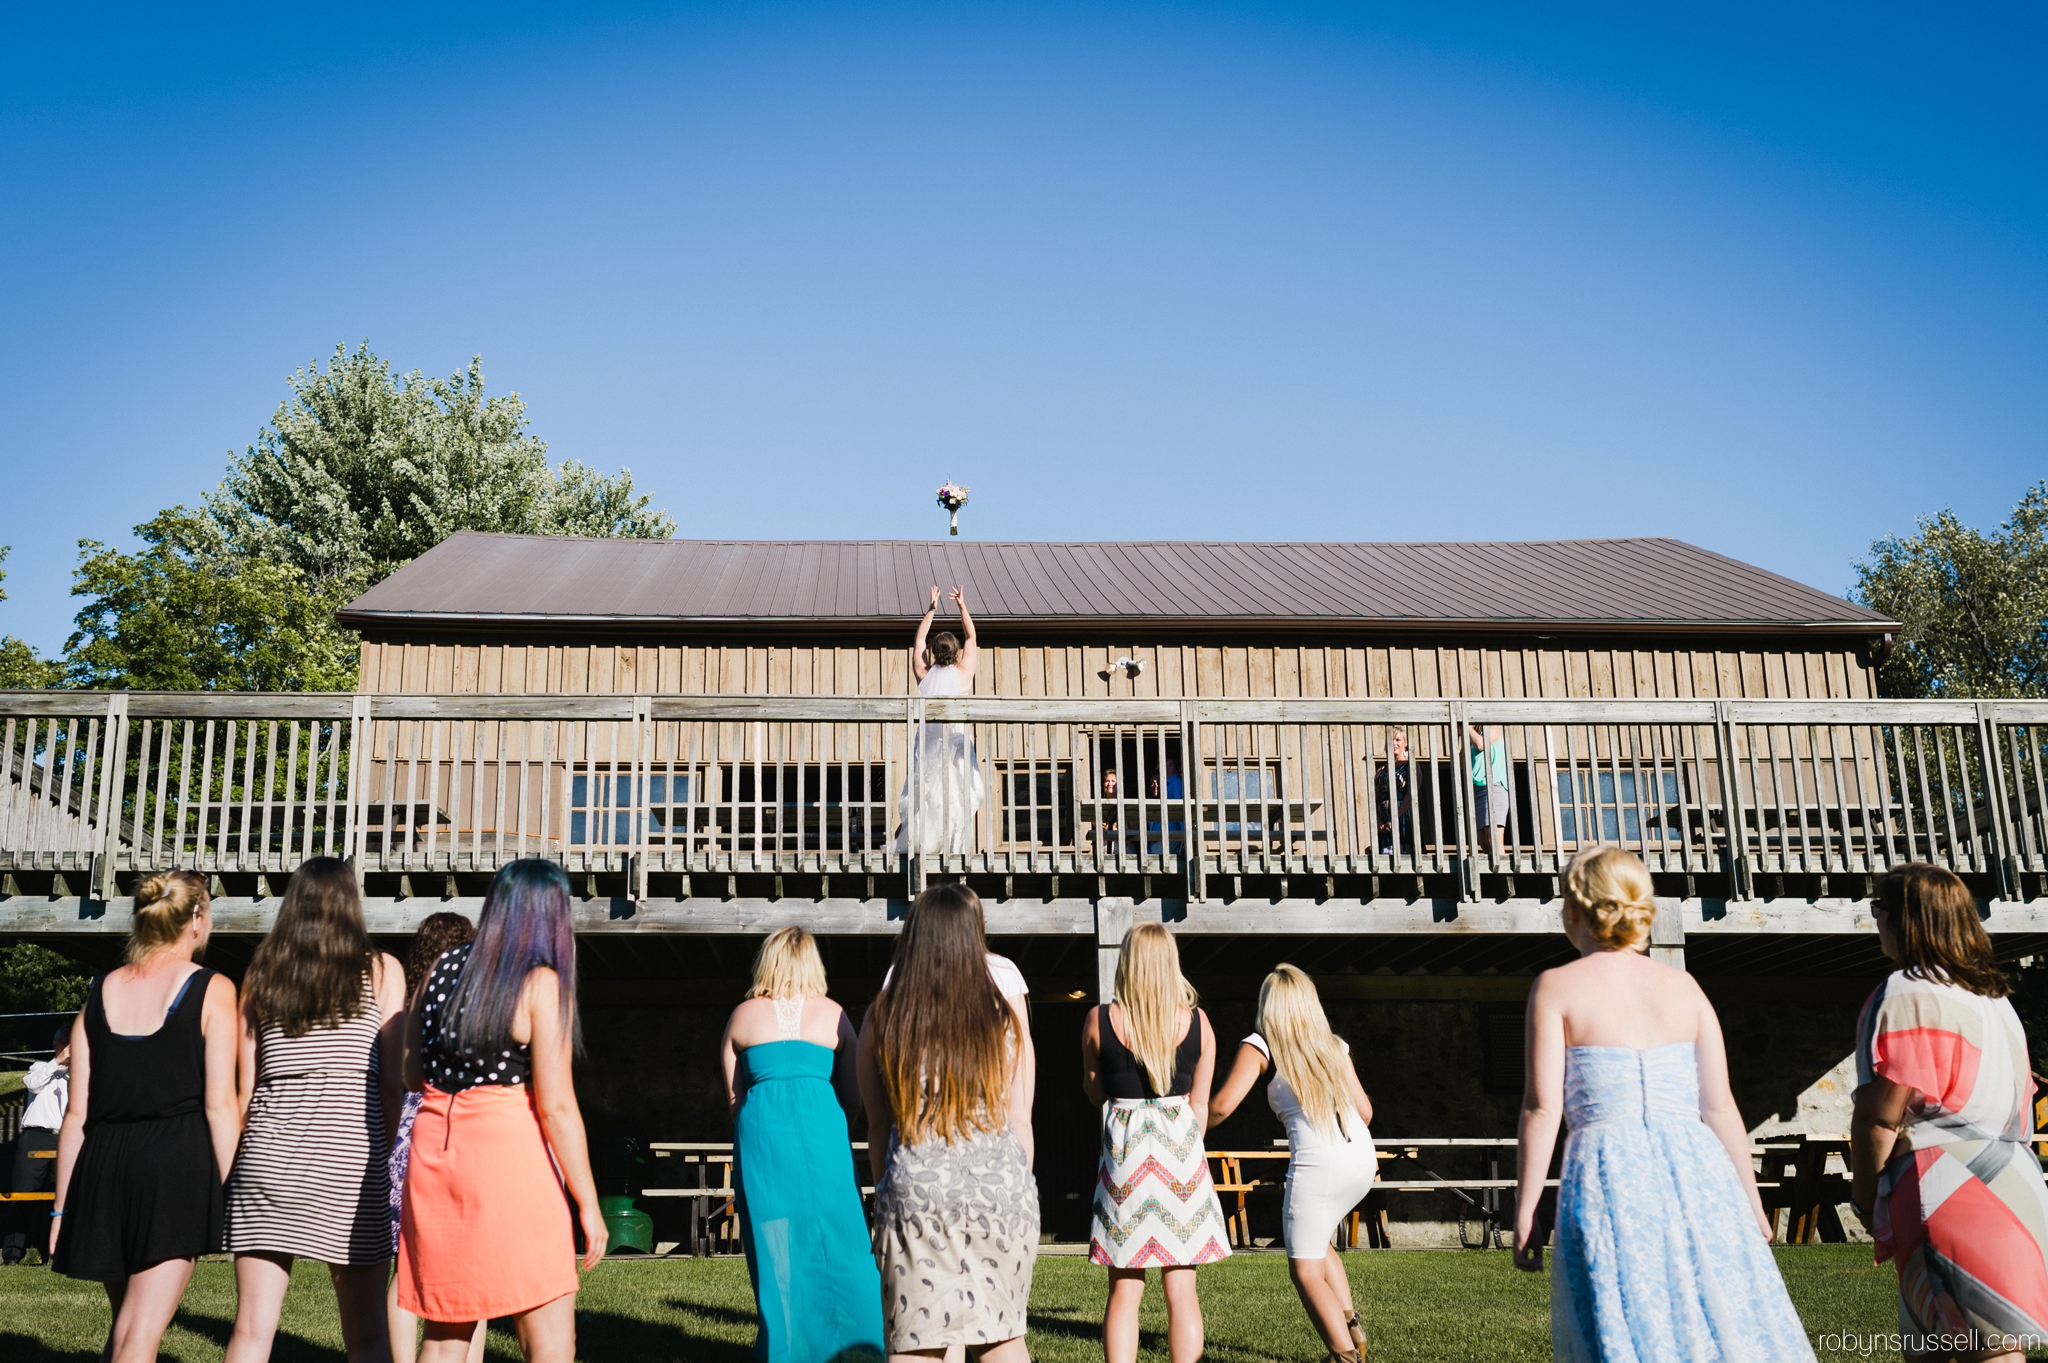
(1611, 890)
(165, 906)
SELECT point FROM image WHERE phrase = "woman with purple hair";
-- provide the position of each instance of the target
(485, 1230)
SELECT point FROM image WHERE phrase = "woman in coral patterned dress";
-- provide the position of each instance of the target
(1944, 1176)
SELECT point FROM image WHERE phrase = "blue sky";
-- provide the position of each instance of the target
(1774, 283)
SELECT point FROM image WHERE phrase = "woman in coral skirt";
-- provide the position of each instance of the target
(484, 1231)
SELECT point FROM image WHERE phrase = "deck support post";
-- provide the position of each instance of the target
(1112, 922)
(1667, 934)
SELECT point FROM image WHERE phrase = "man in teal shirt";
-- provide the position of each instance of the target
(1491, 798)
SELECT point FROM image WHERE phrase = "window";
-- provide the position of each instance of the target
(1609, 806)
(799, 806)
(783, 806)
(1037, 802)
(1245, 790)
(601, 811)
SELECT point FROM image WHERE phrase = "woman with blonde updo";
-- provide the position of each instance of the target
(153, 1119)
(1662, 1243)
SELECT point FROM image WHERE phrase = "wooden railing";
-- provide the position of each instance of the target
(666, 788)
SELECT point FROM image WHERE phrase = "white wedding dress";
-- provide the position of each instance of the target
(947, 774)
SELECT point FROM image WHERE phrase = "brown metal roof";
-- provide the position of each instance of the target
(1621, 584)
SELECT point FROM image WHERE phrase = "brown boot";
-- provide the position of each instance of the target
(1351, 1357)
(1357, 1335)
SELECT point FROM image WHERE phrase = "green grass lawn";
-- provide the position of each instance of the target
(1435, 1305)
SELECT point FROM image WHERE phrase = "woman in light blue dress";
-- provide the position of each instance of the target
(1663, 1250)
(789, 1076)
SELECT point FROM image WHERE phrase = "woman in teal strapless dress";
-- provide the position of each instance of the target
(789, 1076)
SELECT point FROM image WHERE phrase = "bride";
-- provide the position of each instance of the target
(944, 764)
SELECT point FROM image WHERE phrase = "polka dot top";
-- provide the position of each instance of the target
(453, 1071)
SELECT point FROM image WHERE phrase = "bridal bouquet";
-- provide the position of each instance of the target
(953, 498)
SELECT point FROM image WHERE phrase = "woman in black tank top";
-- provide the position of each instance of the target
(1123, 1077)
(1148, 1058)
(153, 1120)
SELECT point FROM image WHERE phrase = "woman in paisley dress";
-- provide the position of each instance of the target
(788, 1059)
(1942, 1172)
(439, 933)
(1663, 1249)
(1147, 1057)
(949, 1141)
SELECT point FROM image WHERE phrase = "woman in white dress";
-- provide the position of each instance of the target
(945, 774)
(1331, 1161)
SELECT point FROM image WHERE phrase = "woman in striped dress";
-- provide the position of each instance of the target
(1147, 1058)
(320, 1069)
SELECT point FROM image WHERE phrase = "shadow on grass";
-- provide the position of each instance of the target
(727, 1315)
(28, 1349)
(600, 1334)
(286, 1347)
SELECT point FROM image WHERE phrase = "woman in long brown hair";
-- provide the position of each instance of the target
(320, 1086)
(1941, 1172)
(152, 1119)
(941, 1060)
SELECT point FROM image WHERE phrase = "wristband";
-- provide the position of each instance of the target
(55, 1215)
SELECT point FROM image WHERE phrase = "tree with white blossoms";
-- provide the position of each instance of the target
(359, 472)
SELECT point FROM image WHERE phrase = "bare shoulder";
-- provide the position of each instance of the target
(750, 1020)
(1553, 982)
(220, 991)
(543, 988)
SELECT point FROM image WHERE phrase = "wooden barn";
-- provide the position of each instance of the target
(1283, 751)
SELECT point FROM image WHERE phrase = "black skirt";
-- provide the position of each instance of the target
(143, 1192)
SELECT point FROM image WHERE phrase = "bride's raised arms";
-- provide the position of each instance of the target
(970, 652)
(918, 658)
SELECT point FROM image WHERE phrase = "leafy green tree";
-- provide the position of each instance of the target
(187, 613)
(35, 979)
(21, 668)
(1974, 606)
(358, 472)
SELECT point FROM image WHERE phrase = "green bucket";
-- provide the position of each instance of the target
(628, 1226)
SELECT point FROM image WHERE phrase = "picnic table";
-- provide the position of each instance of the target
(1794, 1176)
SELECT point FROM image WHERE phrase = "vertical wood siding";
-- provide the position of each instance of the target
(467, 664)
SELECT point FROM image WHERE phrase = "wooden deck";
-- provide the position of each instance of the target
(721, 813)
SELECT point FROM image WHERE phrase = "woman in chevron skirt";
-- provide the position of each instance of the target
(1147, 1057)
